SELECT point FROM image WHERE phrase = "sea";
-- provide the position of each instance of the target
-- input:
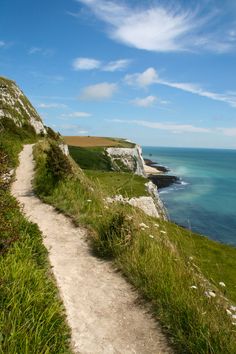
(205, 199)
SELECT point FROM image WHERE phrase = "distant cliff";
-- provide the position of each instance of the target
(16, 106)
(129, 159)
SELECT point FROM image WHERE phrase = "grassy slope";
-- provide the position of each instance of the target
(93, 158)
(114, 183)
(31, 314)
(157, 261)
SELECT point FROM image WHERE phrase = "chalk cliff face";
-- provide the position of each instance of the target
(128, 158)
(15, 105)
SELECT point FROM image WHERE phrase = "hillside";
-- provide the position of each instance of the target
(14, 105)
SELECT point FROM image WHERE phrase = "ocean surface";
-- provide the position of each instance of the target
(205, 200)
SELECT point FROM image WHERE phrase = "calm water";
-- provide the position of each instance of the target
(205, 201)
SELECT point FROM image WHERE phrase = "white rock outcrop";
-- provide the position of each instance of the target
(14, 105)
(131, 158)
(64, 149)
(144, 203)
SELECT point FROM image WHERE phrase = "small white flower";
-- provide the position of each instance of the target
(193, 287)
(151, 236)
(210, 294)
(142, 225)
(156, 225)
(229, 312)
(129, 217)
(221, 283)
(234, 323)
(163, 232)
(89, 200)
(191, 258)
(233, 308)
(234, 317)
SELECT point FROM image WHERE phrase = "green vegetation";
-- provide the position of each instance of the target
(114, 183)
(91, 158)
(168, 264)
(31, 314)
(123, 143)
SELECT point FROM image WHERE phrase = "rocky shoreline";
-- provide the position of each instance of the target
(160, 178)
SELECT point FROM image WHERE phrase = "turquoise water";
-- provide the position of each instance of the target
(205, 201)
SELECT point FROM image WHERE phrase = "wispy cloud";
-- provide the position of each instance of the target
(144, 102)
(116, 65)
(94, 64)
(51, 105)
(227, 131)
(174, 128)
(2, 44)
(77, 115)
(50, 78)
(150, 77)
(70, 129)
(165, 27)
(86, 64)
(44, 52)
(99, 91)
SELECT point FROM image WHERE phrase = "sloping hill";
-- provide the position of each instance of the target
(15, 105)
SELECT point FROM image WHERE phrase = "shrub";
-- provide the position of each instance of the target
(57, 163)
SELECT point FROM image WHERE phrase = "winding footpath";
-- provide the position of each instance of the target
(102, 308)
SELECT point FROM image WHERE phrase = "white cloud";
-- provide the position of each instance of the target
(162, 27)
(174, 128)
(150, 76)
(92, 64)
(37, 50)
(98, 92)
(51, 105)
(34, 50)
(116, 65)
(2, 44)
(83, 132)
(228, 131)
(77, 115)
(86, 64)
(145, 102)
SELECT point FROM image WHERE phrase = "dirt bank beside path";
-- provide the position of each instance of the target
(101, 307)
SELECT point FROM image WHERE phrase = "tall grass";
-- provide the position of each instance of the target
(150, 254)
(32, 317)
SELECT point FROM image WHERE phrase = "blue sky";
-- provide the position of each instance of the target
(158, 72)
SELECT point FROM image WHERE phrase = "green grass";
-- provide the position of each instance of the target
(157, 260)
(216, 261)
(123, 143)
(31, 314)
(114, 183)
(94, 158)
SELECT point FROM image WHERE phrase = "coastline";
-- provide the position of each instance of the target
(157, 174)
(207, 181)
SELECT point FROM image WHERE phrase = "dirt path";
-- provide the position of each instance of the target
(101, 307)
